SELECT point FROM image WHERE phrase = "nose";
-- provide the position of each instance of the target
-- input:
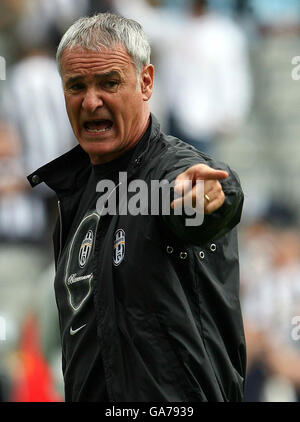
(92, 100)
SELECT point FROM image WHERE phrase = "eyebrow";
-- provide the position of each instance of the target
(112, 73)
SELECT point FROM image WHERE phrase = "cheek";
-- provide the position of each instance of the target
(131, 110)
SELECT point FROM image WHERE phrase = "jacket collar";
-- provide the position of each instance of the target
(70, 170)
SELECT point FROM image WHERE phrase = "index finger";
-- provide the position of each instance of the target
(199, 172)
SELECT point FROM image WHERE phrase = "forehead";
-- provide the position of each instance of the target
(77, 61)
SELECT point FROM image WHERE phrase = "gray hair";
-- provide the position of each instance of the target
(107, 30)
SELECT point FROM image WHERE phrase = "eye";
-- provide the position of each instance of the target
(111, 84)
(76, 87)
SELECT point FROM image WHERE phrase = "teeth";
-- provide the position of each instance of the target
(98, 130)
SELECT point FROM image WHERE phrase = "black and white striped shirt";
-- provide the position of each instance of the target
(32, 102)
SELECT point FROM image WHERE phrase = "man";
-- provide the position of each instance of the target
(148, 306)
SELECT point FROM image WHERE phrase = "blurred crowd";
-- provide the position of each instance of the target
(223, 82)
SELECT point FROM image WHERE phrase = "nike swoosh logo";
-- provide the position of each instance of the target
(72, 332)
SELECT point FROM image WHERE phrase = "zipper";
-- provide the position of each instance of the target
(60, 230)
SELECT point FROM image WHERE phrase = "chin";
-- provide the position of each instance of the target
(99, 152)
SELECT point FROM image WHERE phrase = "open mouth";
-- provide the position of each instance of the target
(98, 126)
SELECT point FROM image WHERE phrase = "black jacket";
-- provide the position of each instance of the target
(168, 317)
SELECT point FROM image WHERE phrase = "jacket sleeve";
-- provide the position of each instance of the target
(218, 223)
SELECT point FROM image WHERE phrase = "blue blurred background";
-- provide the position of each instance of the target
(227, 80)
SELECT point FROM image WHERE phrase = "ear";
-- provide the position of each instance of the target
(146, 79)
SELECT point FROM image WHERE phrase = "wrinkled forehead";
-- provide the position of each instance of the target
(77, 60)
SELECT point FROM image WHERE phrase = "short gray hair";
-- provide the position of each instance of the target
(107, 30)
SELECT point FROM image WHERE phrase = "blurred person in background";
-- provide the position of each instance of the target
(11, 11)
(33, 114)
(22, 221)
(270, 274)
(34, 127)
(203, 71)
(269, 141)
(209, 87)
